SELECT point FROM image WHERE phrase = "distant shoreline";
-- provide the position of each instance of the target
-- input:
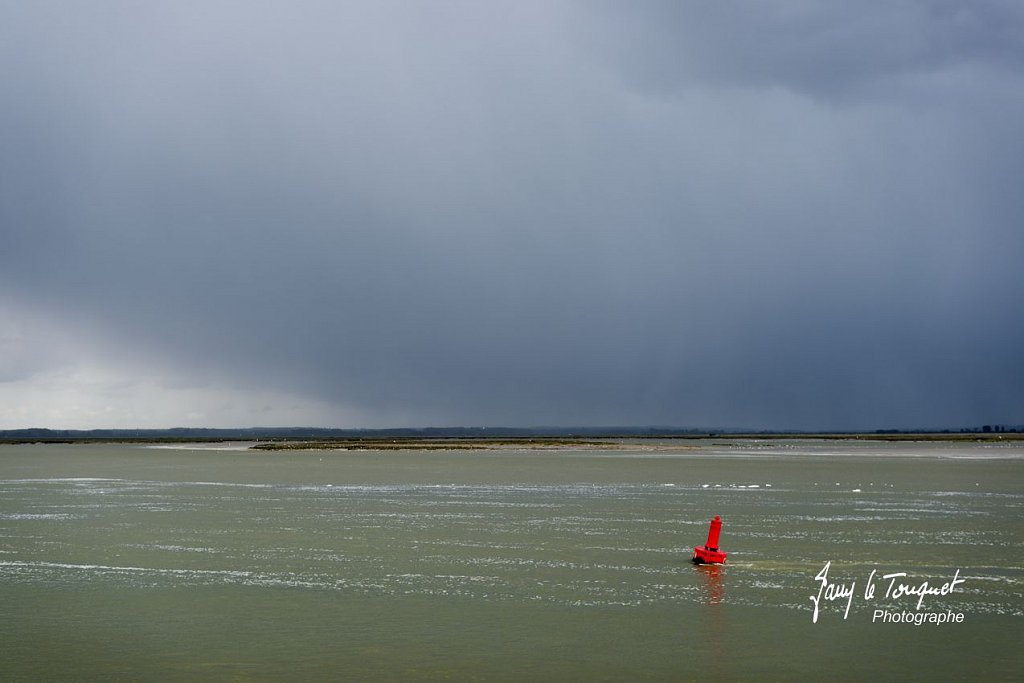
(271, 442)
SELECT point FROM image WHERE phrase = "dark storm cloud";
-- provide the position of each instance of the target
(684, 213)
(828, 49)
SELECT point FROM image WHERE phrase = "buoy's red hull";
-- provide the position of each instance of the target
(704, 555)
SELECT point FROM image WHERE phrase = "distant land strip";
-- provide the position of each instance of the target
(270, 438)
(383, 444)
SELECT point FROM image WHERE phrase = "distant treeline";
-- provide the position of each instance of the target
(307, 433)
(256, 433)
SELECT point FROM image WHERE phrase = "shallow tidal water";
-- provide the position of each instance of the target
(219, 563)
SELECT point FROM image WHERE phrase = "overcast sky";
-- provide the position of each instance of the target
(358, 214)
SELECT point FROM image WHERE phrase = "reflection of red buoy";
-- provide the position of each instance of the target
(709, 553)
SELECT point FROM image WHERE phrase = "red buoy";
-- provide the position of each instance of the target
(709, 553)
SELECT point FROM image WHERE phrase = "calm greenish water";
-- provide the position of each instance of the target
(194, 563)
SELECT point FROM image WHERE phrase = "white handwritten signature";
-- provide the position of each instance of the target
(829, 591)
